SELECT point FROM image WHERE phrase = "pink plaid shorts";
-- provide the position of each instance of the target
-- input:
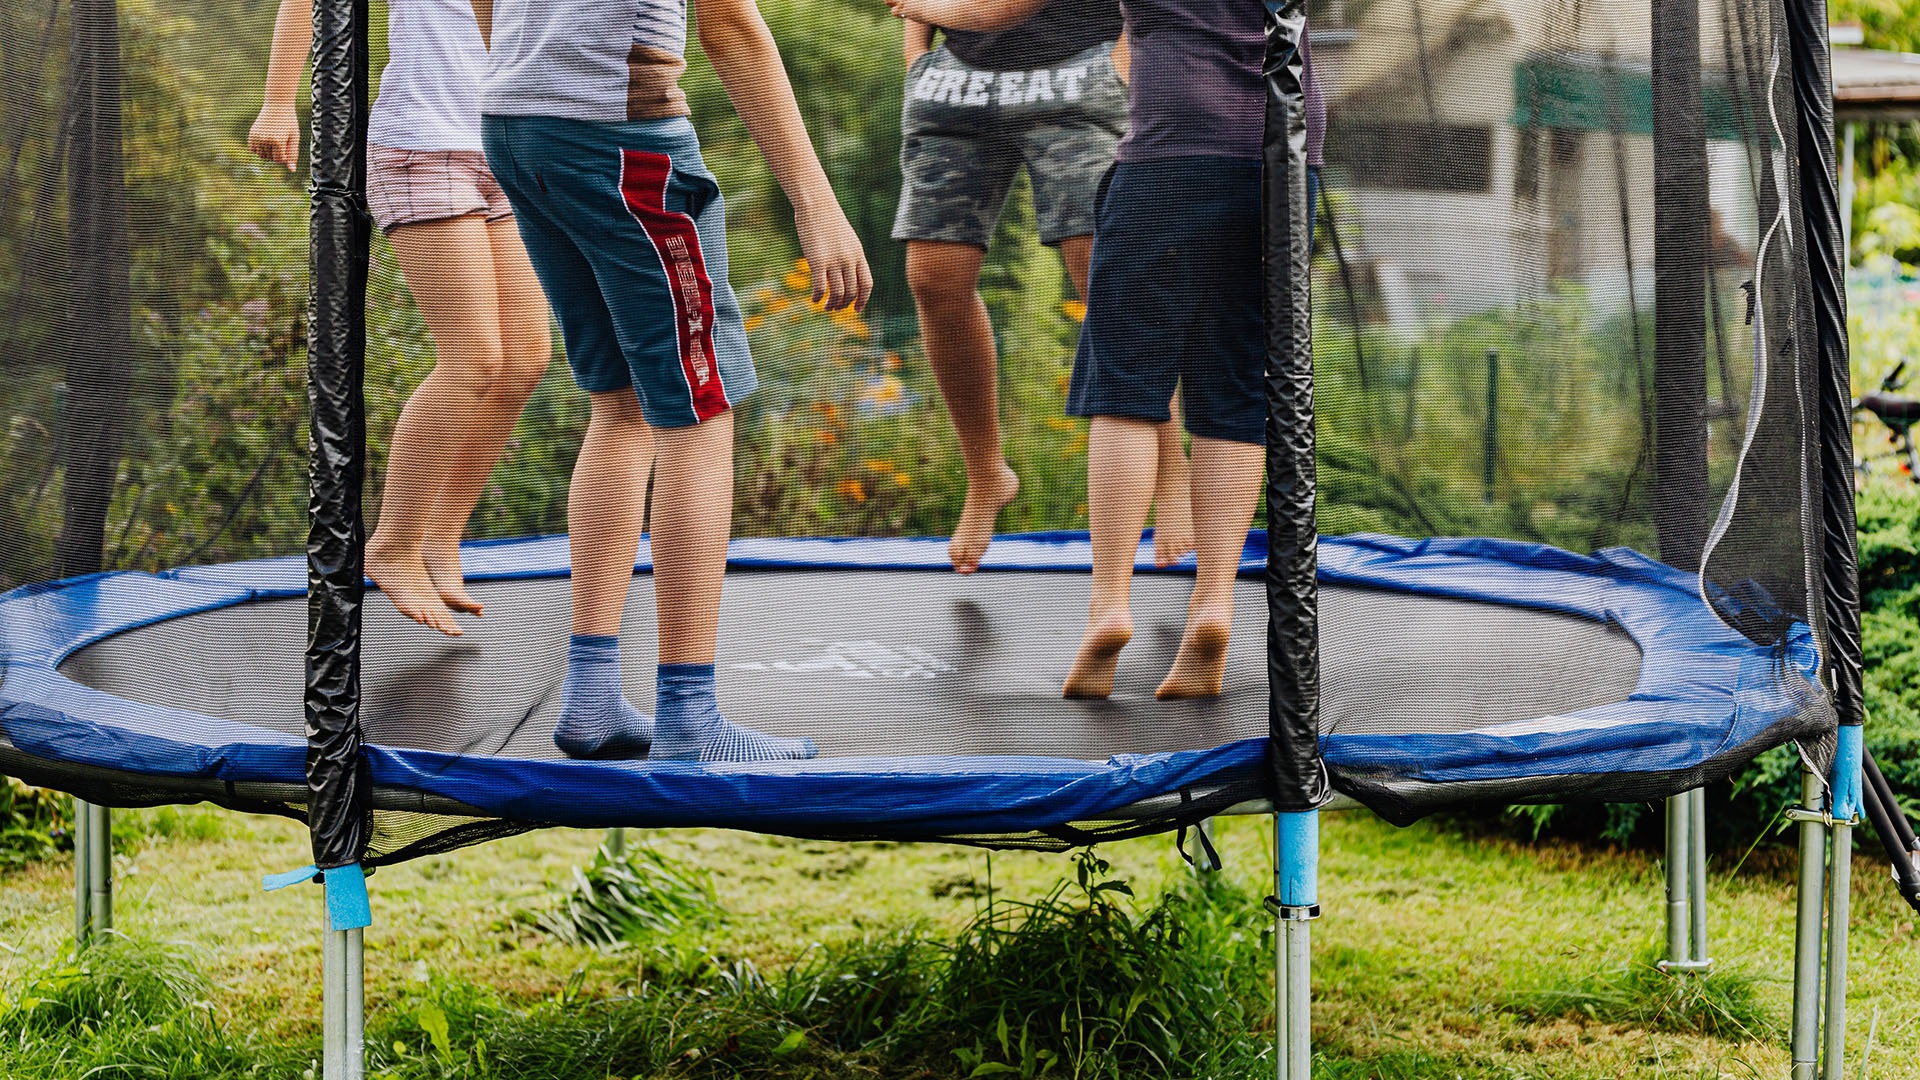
(406, 187)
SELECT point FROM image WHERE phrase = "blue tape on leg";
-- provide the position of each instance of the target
(1299, 858)
(271, 882)
(347, 905)
(1846, 773)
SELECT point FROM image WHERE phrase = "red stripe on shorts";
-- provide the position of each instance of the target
(643, 184)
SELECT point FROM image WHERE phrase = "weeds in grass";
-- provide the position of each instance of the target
(1723, 1004)
(632, 896)
(123, 1009)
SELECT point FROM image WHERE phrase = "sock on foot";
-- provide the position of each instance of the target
(596, 719)
(690, 727)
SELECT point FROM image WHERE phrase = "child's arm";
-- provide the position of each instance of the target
(483, 14)
(276, 132)
(967, 14)
(743, 53)
(919, 41)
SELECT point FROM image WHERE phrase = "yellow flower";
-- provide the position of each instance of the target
(879, 464)
(850, 490)
(753, 323)
(778, 304)
(800, 279)
(902, 479)
(1074, 309)
(1061, 423)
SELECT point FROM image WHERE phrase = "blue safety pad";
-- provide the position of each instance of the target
(1704, 692)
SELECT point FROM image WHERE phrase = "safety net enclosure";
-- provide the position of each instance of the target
(1566, 362)
(665, 413)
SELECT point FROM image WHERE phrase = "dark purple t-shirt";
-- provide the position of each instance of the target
(1197, 89)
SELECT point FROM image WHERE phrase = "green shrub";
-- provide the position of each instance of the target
(34, 823)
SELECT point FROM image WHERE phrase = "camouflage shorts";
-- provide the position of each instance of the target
(966, 132)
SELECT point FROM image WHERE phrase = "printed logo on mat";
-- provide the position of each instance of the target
(856, 660)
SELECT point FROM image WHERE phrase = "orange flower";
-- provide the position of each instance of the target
(850, 490)
(827, 438)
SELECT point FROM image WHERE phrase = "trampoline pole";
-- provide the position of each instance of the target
(1806, 938)
(354, 1040)
(82, 891)
(100, 869)
(1697, 879)
(1839, 902)
(1296, 903)
(1679, 831)
(333, 994)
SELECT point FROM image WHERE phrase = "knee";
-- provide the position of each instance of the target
(939, 287)
(524, 361)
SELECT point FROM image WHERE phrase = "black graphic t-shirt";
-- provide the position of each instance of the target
(1062, 29)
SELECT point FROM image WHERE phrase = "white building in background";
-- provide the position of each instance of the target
(1479, 149)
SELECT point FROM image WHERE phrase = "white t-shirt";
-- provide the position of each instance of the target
(430, 90)
(600, 60)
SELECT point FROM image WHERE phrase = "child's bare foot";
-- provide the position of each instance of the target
(1092, 674)
(1201, 666)
(1172, 528)
(402, 575)
(977, 518)
(449, 579)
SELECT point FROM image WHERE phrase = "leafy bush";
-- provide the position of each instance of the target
(34, 823)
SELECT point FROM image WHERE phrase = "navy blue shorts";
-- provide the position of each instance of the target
(626, 229)
(1174, 299)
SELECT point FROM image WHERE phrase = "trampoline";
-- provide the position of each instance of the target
(874, 648)
(1558, 496)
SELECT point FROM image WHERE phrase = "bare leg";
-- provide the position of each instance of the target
(1172, 500)
(1226, 482)
(606, 509)
(959, 341)
(448, 266)
(1172, 508)
(526, 347)
(692, 518)
(1120, 477)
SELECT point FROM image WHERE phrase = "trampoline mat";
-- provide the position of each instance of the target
(890, 663)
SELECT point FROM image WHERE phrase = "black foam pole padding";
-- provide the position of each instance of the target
(1680, 216)
(1826, 263)
(1293, 623)
(338, 781)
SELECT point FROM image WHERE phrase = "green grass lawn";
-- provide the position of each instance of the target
(1440, 956)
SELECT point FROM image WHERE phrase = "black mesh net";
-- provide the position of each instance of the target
(1559, 316)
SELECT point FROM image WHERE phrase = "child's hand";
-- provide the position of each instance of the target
(832, 249)
(275, 136)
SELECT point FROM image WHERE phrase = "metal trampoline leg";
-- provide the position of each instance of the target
(82, 863)
(1686, 872)
(1296, 903)
(100, 869)
(1697, 879)
(1839, 901)
(343, 1005)
(1806, 938)
(1679, 833)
